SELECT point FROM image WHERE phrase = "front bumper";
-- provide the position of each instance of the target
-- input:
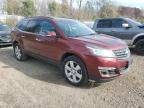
(102, 69)
(5, 43)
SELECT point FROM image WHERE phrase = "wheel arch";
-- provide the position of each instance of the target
(137, 38)
(65, 55)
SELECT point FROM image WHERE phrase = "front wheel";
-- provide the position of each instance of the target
(75, 71)
(139, 48)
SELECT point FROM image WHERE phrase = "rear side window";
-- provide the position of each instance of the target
(104, 24)
(117, 23)
(22, 25)
(33, 26)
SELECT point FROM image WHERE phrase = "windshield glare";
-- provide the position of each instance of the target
(4, 28)
(72, 28)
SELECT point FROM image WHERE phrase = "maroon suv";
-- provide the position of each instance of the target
(81, 53)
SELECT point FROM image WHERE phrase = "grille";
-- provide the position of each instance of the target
(122, 53)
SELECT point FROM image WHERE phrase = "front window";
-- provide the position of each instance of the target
(4, 28)
(46, 27)
(117, 23)
(72, 28)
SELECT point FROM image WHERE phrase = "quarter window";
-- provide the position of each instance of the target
(22, 25)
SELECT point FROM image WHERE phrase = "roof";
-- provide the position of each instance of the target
(48, 17)
(113, 18)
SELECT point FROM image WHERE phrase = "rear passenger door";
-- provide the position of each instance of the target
(104, 26)
(29, 37)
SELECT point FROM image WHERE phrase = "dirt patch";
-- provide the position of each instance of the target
(35, 84)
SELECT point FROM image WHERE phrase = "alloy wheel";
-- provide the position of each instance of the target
(18, 52)
(73, 71)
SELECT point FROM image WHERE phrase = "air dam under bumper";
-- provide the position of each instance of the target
(103, 69)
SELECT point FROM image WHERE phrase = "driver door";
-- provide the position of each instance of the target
(48, 45)
(119, 31)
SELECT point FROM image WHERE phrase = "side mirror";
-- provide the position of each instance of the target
(125, 25)
(51, 34)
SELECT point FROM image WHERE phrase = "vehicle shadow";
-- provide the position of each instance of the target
(37, 69)
(133, 53)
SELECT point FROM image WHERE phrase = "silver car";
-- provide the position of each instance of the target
(5, 38)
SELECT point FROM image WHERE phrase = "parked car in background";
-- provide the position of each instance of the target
(5, 37)
(124, 28)
(89, 23)
(81, 54)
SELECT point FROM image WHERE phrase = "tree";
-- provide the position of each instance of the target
(27, 8)
(53, 8)
(64, 7)
(79, 3)
(12, 6)
(71, 3)
(108, 9)
(89, 9)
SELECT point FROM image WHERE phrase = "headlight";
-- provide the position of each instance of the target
(128, 52)
(100, 51)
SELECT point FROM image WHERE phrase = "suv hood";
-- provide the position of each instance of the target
(103, 41)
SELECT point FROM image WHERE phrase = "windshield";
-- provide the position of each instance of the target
(135, 22)
(4, 28)
(73, 28)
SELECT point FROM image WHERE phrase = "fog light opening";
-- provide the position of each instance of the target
(107, 71)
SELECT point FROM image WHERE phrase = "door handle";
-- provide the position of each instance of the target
(38, 40)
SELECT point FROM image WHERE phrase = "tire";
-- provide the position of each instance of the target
(139, 48)
(75, 71)
(19, 53)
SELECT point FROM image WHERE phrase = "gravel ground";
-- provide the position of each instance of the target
(35, 84)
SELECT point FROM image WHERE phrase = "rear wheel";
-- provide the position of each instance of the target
(75, 71)
(139, 48)
(19, 53)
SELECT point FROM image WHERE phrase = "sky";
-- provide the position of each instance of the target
(131, 3)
